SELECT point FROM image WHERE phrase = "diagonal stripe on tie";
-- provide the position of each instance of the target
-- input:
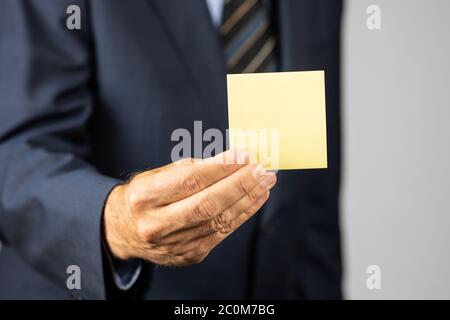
(248, 38)
(235, 20)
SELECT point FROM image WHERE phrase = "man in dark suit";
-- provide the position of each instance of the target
(82, 109)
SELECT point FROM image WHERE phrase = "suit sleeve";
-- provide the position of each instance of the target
(51, 198)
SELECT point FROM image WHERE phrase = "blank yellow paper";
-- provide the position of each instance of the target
(280, 117)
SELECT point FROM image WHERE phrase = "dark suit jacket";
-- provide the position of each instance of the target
(81, 109)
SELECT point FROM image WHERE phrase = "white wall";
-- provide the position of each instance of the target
(396, 113)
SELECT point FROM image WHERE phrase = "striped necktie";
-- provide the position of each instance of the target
(248, 38)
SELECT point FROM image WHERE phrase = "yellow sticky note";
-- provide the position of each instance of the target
(280, 117)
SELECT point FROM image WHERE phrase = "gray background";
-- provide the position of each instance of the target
(396, 113)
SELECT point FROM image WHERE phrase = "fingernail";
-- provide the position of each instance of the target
(259, 172)
(267, 181)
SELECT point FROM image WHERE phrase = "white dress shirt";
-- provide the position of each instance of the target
(215, 10)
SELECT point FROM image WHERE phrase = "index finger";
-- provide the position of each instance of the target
(190, 176)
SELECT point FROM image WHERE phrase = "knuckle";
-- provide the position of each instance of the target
(241, 187)
(142, 230)
(225, 169)
(192, 182)
(249, 212)
(222, 223)
(149, 232)
(135, 198)
(206, 229)
(205, 209)
(252, 196)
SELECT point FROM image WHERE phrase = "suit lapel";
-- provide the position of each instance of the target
(190, 28)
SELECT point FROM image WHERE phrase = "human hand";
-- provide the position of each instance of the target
(175, 215)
